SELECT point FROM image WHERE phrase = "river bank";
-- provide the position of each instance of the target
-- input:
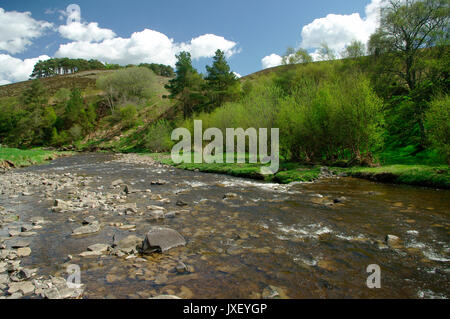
(437, 176)
(14, 158)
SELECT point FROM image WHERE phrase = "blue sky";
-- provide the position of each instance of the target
(253, 33)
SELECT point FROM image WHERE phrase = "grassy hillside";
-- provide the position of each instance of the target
(107, 133)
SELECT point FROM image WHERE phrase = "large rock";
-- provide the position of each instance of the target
(162, 239)
(88, 229)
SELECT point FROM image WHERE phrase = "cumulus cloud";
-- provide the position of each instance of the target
(271, 61)
(91, 32)
(339, 30)
(15, 70)
(206, 45)
(18, 29)
(147, 46)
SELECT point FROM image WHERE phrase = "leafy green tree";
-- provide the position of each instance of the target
(293, 56)
(407, 27)
(355, 49)
(326, 53)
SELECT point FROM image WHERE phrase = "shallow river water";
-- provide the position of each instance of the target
(292, 238)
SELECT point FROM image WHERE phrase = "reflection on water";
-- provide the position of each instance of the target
(310, 240)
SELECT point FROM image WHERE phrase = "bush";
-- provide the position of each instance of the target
(128, 116)
(438, 125)
(158, 137)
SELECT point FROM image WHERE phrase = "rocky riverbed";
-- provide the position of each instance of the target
(138, 229)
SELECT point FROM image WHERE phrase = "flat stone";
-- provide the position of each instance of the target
(14, 233)
(28, 234)
(19, 243)
(90, 253)
(157, 214)
(25, 287)
(52, 293)
(24, 252)
(26, 228)
(154, 207)
(162, 239)
(129, 244)
(88, 229)
(98, 247)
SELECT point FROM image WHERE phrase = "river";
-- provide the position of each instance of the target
(247, 239)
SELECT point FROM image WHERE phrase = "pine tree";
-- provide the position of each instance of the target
(221, 82)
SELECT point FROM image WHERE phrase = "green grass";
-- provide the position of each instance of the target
(23, 158)
(417, 175)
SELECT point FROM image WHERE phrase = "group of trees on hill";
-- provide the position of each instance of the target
(194, 92)
(62, 66)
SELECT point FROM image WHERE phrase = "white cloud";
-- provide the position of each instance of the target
(339, 30)
(206, 45)
(271, 61)
(237, 75)
(147, 46)
(85, 32)
(17, 29)
(15, 70)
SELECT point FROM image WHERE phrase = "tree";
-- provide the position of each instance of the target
(187, 85)
(407, 27)
(326, 53)
(295, 57)
(355, 49)
(221, 82)
(126, 85)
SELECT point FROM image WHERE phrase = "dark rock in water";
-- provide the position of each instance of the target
(339, 200)
(89, 220)
(128, 190)
(162, 239)
(181, 203)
